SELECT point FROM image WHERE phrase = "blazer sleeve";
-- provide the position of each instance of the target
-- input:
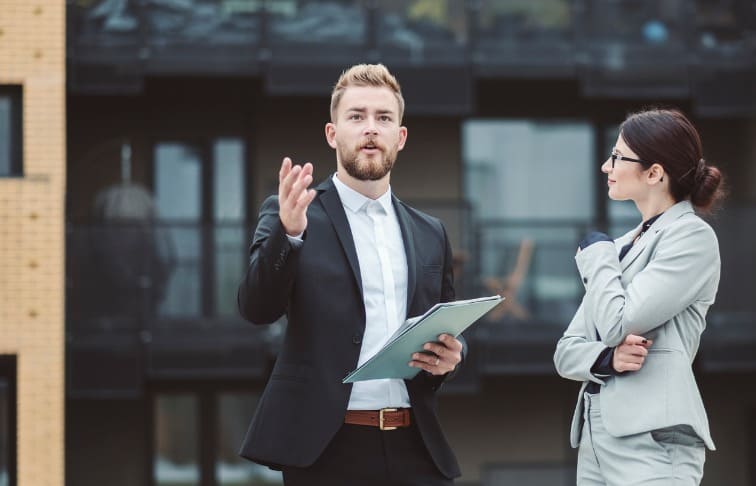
(264, 291)
(686, 260)
(576, 353)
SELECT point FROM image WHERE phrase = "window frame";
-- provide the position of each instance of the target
(8, 372)
(15, 94)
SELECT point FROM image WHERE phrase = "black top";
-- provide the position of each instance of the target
(603, 367)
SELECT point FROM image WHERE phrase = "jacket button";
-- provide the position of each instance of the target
(357, 339)
(585, 280)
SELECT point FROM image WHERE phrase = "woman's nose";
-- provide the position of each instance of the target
(606, 167)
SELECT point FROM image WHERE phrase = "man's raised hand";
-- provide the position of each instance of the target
(293, 196)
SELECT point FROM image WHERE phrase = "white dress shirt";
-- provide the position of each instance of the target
(383, 270)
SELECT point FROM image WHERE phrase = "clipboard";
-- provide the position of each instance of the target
(443, 318)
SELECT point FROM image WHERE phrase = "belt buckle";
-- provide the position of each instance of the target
(381, 418)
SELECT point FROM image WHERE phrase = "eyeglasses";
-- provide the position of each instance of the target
(616, 156)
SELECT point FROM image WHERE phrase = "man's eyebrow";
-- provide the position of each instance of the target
(362, 109)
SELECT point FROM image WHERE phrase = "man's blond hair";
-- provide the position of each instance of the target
(376, 75)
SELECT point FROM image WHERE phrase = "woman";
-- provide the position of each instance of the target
(640, 419)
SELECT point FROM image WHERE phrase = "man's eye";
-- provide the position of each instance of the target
(355, 116)
(385, 118)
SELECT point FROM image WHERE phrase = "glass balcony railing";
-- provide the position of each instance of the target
(479, 31)
(170, 305)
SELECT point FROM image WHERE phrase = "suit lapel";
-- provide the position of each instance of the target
(636, 249)
(405, 223)
(335, 211)
(670, 215)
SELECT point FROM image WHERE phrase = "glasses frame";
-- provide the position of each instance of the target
(615, 156)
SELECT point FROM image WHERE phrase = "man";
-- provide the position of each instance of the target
(347, 263)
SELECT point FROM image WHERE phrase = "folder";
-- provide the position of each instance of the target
(443, 318)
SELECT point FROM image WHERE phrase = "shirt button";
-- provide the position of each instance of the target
(585, 280)
(357, 339)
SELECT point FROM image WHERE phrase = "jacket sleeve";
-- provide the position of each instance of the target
(264, 291)
(576, 353)
(686, 260)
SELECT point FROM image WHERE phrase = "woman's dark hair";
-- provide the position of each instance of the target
(668, 138)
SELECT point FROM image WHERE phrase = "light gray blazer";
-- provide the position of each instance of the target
(661, 290)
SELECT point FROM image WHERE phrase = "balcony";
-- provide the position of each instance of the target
(624, 48)
(138, 309)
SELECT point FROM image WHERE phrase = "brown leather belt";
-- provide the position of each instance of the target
(384, 419)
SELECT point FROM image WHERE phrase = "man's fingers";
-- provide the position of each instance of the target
(284, 189)
(426, 358)
(450, 342)
(285, 168)
(305, 199)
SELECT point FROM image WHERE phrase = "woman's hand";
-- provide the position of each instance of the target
(630, 355)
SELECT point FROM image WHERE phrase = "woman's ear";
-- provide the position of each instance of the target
(656, 172)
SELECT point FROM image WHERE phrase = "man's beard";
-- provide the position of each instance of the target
(364, 169)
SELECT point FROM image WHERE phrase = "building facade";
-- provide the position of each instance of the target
(178, 115)
(32, 182)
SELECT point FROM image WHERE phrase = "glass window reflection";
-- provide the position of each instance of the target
(531, 186)
(176, 440)
(234, 413)
(178, 190)
(5, 135)
(230, 245)
(4, 432)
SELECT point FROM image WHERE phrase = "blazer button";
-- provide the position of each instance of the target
(357, 339)
(585, 280)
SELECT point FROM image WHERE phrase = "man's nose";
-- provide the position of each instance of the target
(371, 127)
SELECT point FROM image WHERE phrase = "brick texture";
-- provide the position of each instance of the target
(32, 54)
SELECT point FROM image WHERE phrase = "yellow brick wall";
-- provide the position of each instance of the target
(32, 54)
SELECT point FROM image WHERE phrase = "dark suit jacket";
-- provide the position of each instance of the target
(318, 287)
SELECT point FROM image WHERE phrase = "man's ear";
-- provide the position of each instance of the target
(402, 137)
(330, 133)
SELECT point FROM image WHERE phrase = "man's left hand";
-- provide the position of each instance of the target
(446, 355)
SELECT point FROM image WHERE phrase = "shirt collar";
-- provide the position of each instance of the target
(355, 202)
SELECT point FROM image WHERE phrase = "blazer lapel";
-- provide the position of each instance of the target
(670, 215)
(635, 250)
(335, 211)
(405, 223)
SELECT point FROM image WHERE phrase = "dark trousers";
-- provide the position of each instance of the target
(366, 456)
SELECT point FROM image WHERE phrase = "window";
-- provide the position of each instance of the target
(197, 436)
(10, 131)
(531, 184)
(200, 199)
(176, 461)
(7, 420)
